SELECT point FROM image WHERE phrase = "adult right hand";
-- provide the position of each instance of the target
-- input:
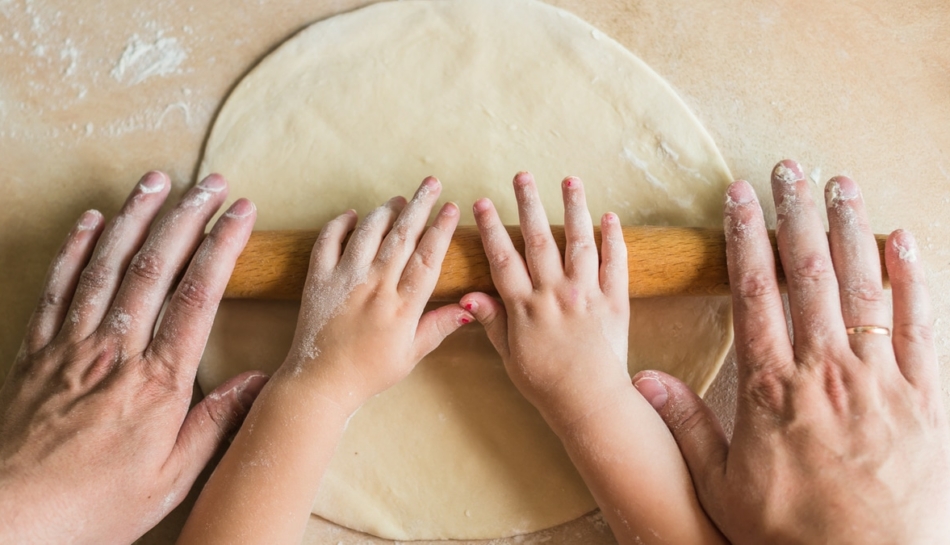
(840, 434)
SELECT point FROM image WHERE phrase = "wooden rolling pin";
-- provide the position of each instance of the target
(662, 261)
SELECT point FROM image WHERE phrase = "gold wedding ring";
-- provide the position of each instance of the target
(873, 329)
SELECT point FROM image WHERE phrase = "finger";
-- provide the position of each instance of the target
(118, 243)
(399, 244)
(580, 253)
(493, 317)
(61, 280)
(697, 432)
(363, 246)
(217, 416)
(541, 253)
(508, 270)
(436, 325)
(328, 248)
(857, 266)
(181, 337)
(422, 271)
(803, 246)
(160, 261)
(762, 342)
(913, 322)
(614, 278)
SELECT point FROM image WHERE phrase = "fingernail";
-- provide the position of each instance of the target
(788, 171)
(450, 209)
(89, 220)
(249, 390)
(213, 183)
(242, 208)
(840, 188)
(431, 182)
(466, 319)
(523, 177)
(153, 182)
(653, 391)
(906, 246)
(571, 181)
(481, 205)
(739, 193)
(471, 307)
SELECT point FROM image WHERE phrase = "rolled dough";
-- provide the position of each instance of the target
(362, 106)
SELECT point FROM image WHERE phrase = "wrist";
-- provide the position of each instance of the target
(318, 386)
(567, 410)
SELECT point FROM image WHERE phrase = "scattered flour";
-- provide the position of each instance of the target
(836, 196)
(907, 254)
(141, 60)
(121, 321)
(787, 175)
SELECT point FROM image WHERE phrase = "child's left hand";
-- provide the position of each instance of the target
(361, 327)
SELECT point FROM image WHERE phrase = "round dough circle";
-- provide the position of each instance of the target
(362, 106)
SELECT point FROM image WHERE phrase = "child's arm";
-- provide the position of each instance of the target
(562, 333)
(361, 329)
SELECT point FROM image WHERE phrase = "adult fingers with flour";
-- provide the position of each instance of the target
(840, 435)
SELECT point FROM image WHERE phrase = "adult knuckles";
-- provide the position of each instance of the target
(147, 266)
(766, 389)
(915, 334)
(50, 300)
(97, 275)
(811, 268)
(195, 294)
(864, 291)
(755, 283)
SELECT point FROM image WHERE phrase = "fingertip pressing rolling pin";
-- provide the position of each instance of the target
(662, 261)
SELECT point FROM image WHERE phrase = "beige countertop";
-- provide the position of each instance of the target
(94, 93)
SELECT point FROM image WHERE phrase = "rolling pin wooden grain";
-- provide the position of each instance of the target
(662, 261)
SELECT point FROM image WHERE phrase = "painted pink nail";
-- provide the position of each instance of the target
(465, 321)
(470, 307)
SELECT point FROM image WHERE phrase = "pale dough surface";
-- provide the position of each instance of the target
(362, 106)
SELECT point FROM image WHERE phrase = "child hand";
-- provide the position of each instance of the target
(550, 305)
(361, 327)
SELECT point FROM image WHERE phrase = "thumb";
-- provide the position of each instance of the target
(494, 318)
(215, 417)
(436, 325)
(696, 429)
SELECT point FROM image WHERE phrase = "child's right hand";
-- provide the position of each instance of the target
(562, 331)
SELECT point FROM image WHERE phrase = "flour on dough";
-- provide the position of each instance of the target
(360, 107)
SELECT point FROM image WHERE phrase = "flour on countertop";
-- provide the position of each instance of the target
(141, 60)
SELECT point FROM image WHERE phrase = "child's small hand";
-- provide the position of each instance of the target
(361, 327)
(562, 331)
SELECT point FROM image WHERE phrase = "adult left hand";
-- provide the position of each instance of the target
(97, 443)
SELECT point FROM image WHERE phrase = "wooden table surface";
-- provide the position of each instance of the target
(94, 93)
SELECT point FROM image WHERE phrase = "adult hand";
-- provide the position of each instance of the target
(97, 443)
(839, 438)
